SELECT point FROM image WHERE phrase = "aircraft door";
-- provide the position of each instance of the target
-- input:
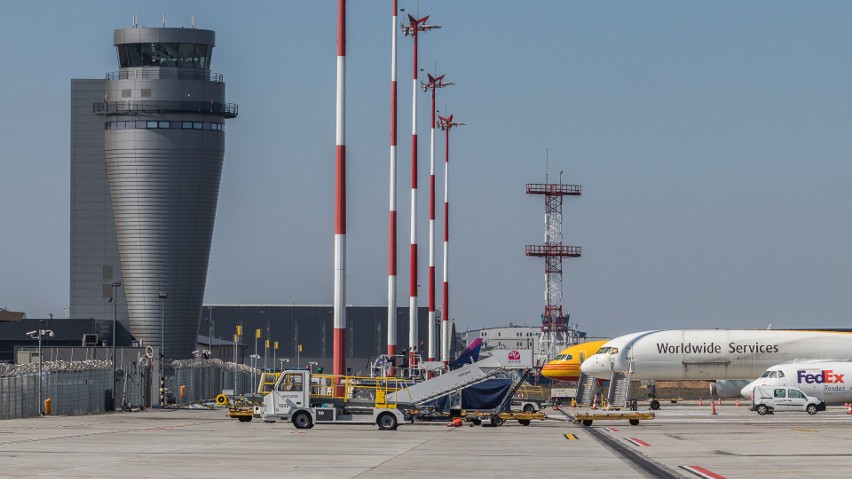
(779, 397)
(796, 400)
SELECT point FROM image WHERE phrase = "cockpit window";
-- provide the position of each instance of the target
(773, 374)
(780, 374)
(613, 350)
(765, 374)
(603, 350)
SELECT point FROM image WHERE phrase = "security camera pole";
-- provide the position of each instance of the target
(37, 334)
(115, 286)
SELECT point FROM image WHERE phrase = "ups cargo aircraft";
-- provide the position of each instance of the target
(731, 357)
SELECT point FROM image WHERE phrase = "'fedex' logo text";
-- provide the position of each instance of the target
(827, 376)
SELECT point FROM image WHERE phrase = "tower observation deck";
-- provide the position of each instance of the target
(164, 117)
(554, 329)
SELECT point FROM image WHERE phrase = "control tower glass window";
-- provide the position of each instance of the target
(185, 55)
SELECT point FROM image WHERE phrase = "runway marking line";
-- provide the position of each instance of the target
(611, 429)
(571, 437)
(167, 427)
(701, 472)
(637, 442)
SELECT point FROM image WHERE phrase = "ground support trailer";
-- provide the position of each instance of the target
(586, 418)
(305, 399)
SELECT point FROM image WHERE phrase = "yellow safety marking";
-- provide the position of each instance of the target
(571, 437)
(804, 430)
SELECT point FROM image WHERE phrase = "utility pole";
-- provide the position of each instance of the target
(446, 124)
(412, 29)
(432, 85)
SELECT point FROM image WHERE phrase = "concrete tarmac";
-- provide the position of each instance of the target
(735, 443)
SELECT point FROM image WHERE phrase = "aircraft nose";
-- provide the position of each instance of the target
(589, 366)
(748, 391)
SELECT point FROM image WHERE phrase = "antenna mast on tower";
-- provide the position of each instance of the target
(554, 331)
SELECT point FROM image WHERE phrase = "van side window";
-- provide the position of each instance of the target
(796, 394)
(780, 393)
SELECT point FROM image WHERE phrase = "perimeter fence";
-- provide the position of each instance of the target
(201, 380)
(84, 387)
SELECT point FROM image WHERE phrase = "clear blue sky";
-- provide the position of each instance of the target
(712, 140)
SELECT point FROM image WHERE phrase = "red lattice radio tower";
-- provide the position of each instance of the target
(554, 329)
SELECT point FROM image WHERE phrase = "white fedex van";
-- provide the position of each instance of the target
(768, 399)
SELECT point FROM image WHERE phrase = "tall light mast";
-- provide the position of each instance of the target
(412, 29)
(446, 124)
(392, 219)
(340, 200)
(554, 331)
(433, 84)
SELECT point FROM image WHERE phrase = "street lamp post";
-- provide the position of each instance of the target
(255, 359)
(38, 334)
(212, 327)
(163, 296)
(115, 285)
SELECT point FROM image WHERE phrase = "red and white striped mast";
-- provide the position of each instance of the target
(446, 124)
(412, 29)
(392, 219)
(340, 200)
(433, 84)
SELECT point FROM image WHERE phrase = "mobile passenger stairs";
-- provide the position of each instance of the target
(617, 398)
(416, 398)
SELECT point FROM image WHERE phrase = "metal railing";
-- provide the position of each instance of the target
(165, 74)
(226, 110)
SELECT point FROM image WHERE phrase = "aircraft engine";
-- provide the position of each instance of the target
(728, 388)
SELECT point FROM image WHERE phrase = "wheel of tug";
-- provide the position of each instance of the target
(302, 420)
(476, 421)
(245, 418)
(587, 422)
(387, 421)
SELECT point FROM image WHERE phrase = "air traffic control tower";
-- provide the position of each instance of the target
(164, 116)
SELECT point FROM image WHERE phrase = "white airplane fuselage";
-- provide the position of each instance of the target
(709, 354)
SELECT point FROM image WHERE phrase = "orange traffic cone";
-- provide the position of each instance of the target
(595, 402)
(849, 408)
(720, 401)
(738, 402)
(700, 402)
(712, 408)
